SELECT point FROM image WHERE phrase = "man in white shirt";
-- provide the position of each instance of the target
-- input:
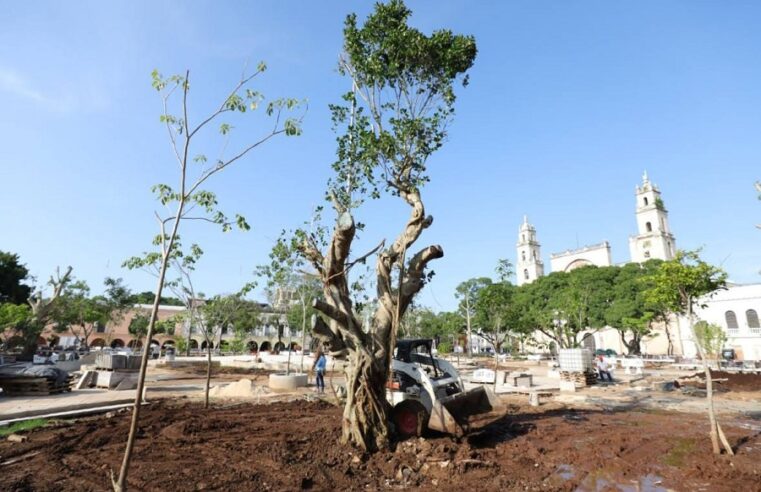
(603, 369)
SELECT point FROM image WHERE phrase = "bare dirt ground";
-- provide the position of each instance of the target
(293, 445)
(726, 381)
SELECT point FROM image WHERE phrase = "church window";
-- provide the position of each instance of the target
(525, 274)
(731, 320)
(523, 238)
(752, 316)
(523, 255)
(534, 255)
(649, 226)
(647, 254)
(645, 201)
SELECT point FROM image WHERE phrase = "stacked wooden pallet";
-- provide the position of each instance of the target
(579, 379)
(18, 385)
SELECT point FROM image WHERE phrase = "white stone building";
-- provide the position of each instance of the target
(736, 308)
(529, 266)
(596, 254)
(655, 239)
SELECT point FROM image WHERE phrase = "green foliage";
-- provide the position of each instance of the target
(467, 292)
(148, 297)
(12, 276)
(562, 305)
(12, 316)
(629, 311)
(181, 344)
(79, 313)
(710, 337)
(232, 312)
(402, 99)
(237, 344)
(138, 326)
(26, 425)
(428, 324)
(659, 204)
(444, 347)
(678, 284)
(498, 316)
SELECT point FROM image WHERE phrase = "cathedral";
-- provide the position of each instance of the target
(735, 308)
(653, 240)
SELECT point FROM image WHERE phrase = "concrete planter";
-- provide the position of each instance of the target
(281, 381)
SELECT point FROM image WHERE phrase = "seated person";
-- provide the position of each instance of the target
(603, 369)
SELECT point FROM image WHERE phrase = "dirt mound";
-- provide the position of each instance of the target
(294, 445)
(725, 381)
(245, 388)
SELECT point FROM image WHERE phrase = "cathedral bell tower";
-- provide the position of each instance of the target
(529, 266)
(654, 239)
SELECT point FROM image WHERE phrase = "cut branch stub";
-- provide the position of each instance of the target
(322, 331)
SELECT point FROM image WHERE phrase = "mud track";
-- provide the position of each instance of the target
(294, 445)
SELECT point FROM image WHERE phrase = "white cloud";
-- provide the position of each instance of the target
(68, 94)
(11, 81)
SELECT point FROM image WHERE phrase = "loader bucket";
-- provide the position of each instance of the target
(451, 414)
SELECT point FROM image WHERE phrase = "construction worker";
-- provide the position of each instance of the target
(320, 362)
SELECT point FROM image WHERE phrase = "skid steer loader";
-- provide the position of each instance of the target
(426, 391)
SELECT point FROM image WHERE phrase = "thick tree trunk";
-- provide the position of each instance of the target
(365, 418)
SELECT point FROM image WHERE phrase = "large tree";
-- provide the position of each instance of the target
(80, 313)
(467, 293)
(682, 284)
(629, 311)
(568, 306)
(393, 118)
(12, 276)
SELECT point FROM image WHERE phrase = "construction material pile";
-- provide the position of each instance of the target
(35, 381)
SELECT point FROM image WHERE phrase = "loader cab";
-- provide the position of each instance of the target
(416, 351)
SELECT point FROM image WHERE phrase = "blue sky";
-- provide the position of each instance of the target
(568, 103)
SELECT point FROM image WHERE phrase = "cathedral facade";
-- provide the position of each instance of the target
(653, 240)
(736, 309)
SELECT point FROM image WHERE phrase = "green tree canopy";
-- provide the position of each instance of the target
(12, 276)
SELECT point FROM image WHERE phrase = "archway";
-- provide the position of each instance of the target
(279, 346)
(98, 342)
(135, 344)
(117, 343)
(167, 343)
(295, 346)
(53, 340)
(265, 347)
(581, 262)
(193, 344)
(252, 346)
(206, 345)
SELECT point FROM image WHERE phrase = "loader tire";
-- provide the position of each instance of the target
(409, 419)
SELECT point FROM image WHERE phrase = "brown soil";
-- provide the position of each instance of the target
(734, 381)
(293, 445)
